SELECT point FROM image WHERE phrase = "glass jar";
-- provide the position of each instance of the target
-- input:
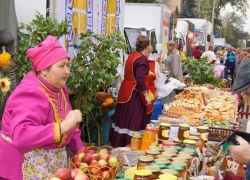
(164, 157)
(170, 150)
(136, 141)
(177, 141)
(149, 137)
(179, 163)
(155, 171)
(179, 159)
(169, 171)
(178, 148)
(152, 153)
(204, 132)
(159, 165)
(166, 144)
(162, 161)
(189, 144)
(168, 177)
(179, 169)
(192, 133)
(164, 131)
(171, 154)
(144, 161)
(142, 175)
(183, 131)
(155, 148)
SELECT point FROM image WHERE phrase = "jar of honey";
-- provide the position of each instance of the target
(169, 171)
(164, 131)
(144, 161)
(155, 171)
(178, 148)
(164, 157)
(204, 132)
(149, 137)
(142, 175)
(168, 177)
(162, 161)
(179, 159)
(192, 133)
(183, 131)
(152, 153)
(179, 169)
(179, 163)
(177, 141)
(166, 144)
(136, 141)
(155, 148)
(190, 144)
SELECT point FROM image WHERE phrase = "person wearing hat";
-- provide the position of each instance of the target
(38, 121)
(241, 152)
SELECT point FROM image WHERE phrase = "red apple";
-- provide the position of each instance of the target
(112, 172)
(113, 161)
(75, 172)
(87, 158)
(63, 174)
(82, 177)
(105, 157)
(106, 175)
(103, 151)
(98, 176)
(83, 149)
(94, 162)
(102, 163)
(91, 152)
(84, 167)
(76, 162)
(95, 157)
(81, 155)
(94, 169)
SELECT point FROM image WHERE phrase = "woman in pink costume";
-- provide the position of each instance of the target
(38, 121)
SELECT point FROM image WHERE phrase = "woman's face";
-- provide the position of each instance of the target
(58, 73)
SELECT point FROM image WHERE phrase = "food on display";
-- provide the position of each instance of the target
(225, 106)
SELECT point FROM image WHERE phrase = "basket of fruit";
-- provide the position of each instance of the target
(93, 163)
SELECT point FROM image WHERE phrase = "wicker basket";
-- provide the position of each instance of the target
(218, 134)
(113, 170)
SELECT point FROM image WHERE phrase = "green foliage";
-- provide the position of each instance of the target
(185, 11)
(93, 69)
(191, 4)
(202, 72)
(32, 34)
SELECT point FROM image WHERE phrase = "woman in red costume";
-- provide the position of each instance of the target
(133, 97)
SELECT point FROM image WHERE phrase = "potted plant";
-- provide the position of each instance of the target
(94, 69)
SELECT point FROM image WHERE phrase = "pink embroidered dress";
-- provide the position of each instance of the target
(31, 144)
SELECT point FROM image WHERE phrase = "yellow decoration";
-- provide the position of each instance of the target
(5, 59)
(5, 84)
(108, 102)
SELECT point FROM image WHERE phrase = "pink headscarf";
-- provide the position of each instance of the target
(46, 53)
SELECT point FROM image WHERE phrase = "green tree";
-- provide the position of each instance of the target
(191, 4)
(185, 11)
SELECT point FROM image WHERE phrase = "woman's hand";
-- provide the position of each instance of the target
(147, 98)
(240, 153)
(73, 118)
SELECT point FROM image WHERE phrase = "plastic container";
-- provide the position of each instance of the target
(142, 175)
(157, 109)
(149, 137)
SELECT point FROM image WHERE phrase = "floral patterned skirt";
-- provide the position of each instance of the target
(40, 164)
